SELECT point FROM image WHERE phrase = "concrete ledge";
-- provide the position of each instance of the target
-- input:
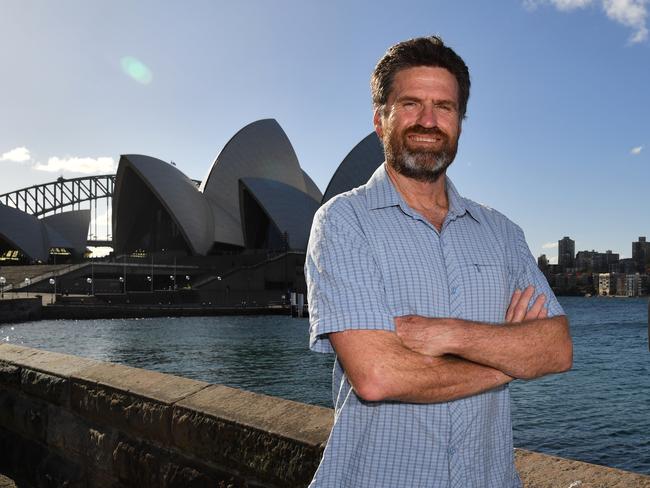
(544, 471)
(69, 421)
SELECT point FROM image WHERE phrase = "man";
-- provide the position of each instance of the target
(432, 303)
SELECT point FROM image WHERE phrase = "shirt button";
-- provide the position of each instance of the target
(452, 451)
(454, 290)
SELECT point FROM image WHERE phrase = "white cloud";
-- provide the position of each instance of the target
(566, 5)
(78, 165)
(17, 155)
(636, 150)
(563, 5)
(630, 13)
(549, 245)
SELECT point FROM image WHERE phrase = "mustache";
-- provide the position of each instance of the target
(418, 129)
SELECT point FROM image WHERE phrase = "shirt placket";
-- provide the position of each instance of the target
(457, 473)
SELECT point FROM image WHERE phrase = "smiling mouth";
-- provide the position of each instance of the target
(422, 138)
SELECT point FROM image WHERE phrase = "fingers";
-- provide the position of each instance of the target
(513, 303)
(518, 310)
(521, 307)
(536, 309)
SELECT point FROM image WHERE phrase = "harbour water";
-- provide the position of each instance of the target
(599, 412)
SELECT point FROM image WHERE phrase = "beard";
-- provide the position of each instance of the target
(420, 164)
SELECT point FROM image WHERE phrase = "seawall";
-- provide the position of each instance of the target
(20, 310)
(75, 422)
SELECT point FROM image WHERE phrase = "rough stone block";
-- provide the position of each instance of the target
(133, 400)
(23, 415)
(74, 438)
(21, 457)
(53, 389)
(7, 408)
(55, 471)
(9, 375)
(136, 465)
(141, 464)
(66, 433)
(304, 423)
(131, 414)
(268, 438)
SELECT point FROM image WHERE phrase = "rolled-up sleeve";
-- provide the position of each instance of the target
(345, 289)
(530, 274)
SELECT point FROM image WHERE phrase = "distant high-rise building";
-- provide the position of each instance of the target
(566, 251)
(595, 262)
(641, 254)
(626, 265)
(542, 262)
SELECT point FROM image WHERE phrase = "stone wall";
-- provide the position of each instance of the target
(69, 421)
(20, 309)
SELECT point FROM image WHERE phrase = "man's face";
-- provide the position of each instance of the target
(420, 123)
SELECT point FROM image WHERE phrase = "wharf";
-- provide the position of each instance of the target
(89, 308)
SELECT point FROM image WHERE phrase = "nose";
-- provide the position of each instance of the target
(427, 116)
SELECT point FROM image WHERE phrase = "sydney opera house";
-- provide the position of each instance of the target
(255, 200)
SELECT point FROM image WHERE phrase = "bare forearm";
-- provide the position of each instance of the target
(401, 374)
(523, 350)
(447, 378)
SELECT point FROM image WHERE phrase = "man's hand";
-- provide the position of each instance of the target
(518, 310)
(439, 336)
(428, 336)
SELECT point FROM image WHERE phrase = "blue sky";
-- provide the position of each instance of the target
(557, 135)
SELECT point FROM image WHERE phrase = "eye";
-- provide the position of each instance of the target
(446, 107)
(409, 105)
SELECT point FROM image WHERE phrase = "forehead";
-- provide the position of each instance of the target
(424, 82)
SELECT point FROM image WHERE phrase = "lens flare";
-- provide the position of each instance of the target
(136, 69)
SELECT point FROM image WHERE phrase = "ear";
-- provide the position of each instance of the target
(377, 122)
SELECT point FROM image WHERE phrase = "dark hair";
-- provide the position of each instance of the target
(421, 51)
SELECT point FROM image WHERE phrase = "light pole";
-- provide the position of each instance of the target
(53, 283)
(172, 278)
(123, 283)
(150, 280)
(90, 285)
(28, 282)
(3, 281)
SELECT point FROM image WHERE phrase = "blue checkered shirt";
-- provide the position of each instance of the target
(372, 258)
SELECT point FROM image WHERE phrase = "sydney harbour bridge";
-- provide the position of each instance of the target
(64, 194)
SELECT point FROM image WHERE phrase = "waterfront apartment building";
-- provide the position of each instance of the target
(566, 250)
(621, 284)
(605, 282)
(636, 285)
(596, 262)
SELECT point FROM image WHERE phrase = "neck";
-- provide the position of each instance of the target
(421, 195)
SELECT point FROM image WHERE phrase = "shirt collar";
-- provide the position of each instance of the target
(382, 193)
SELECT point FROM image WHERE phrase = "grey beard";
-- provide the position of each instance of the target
(414, 165)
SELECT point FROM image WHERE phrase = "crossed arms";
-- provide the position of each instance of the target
(433, 360)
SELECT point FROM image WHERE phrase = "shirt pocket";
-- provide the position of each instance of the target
(486, 291)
